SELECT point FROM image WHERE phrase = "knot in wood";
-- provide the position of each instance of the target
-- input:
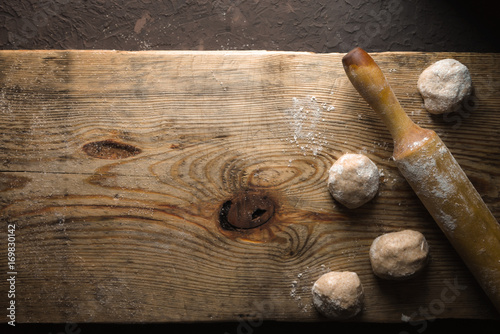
(110, 149)
(246, 211)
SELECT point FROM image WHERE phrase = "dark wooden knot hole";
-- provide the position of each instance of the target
(246, 211)
(110, 149)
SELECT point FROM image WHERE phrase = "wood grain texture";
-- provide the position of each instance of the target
(115, 167)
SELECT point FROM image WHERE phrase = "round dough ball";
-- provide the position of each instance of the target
(399, 255)
(353, 180)
(338, 295)
(444, 85)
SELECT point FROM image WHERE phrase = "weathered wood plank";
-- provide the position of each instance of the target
(115, 167)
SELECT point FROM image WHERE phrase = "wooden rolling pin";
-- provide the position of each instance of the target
(435, 176)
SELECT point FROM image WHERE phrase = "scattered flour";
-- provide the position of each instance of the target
(4, 103)
(405, 318)
(304, 116)
(302, 283)
(448, 221)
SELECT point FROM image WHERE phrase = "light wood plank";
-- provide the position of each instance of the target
(137, 237)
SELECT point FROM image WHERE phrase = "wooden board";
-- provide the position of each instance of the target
(118, 170)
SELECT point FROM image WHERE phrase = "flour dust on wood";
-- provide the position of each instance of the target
(304, 117)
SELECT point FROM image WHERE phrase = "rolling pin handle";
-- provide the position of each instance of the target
(370, 82)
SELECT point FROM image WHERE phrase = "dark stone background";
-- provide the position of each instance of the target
(291, 25)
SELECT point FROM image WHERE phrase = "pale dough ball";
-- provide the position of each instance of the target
(338, 295)
(444, 85)
(399, 255)
(353, 180)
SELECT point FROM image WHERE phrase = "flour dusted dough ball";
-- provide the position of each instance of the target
(399, 255)
(338, 295)
(353, 180)
(444, 85)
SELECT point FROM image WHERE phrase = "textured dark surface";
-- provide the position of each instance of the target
(432, 326)
(292, 25)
